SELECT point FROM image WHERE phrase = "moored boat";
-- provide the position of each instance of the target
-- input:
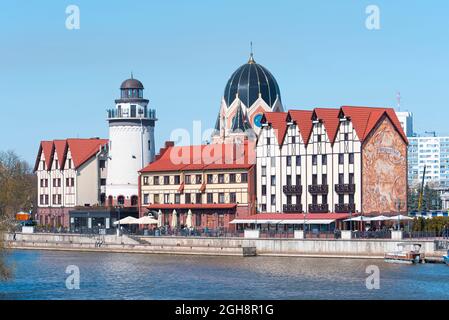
(408, 253)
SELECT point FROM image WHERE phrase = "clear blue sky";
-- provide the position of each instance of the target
(57, 83)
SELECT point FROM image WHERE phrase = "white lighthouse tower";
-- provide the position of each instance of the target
(131, 143)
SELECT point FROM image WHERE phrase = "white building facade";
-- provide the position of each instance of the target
(347, 160)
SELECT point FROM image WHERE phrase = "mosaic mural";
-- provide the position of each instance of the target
(384, 175)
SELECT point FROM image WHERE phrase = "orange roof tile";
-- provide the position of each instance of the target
(84, 149)
(278, 121)
(47, 149)
(330, 120)
(303, 119)
(60, 147)
(203, 157)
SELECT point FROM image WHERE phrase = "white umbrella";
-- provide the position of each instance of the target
(189, 219)
(400, 217)
(359, 218)
(380, 218)
(127, 220)
(174, 219)
(147, 220)
(159, 219)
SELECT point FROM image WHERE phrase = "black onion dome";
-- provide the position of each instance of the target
(248, 82)
(131, 84)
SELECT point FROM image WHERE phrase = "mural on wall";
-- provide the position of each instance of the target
(384, 161)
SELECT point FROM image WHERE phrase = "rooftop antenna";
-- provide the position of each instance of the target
(251, 56)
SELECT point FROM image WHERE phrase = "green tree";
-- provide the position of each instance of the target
(18, 192)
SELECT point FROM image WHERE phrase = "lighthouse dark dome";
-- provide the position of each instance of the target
(131, 84)
(249, 82)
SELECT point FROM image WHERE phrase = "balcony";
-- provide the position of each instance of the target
(149, 114)
(292, 208)
(319, 189)
(292, 189)
(345, 188)
(318, 208)
(345, 207)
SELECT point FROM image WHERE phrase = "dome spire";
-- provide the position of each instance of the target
(251, 55)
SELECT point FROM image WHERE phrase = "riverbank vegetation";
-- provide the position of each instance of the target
(17, 193)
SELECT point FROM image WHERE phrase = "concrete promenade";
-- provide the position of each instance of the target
(354, 248)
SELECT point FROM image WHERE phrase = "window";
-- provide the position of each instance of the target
(188, 198)
(199, 179)
(298, 160)
(102, 182)
(346, 136)
(298, 179)
(318, 138)
(56, 164)
(210, 198)
(232, 178)
(221, 197)
(233, 197)
(156, 180)
(145, 198)
(273, 161)
(177, 198)
(273, 200)
(133, 111)
(54, 199)
(42, 183)
(314, 199)
(134, 201)
(166, 198)
(264, 190)
(289, 180)
(221, 178)
(187, 179)
(351, 199)
(121, 200)
(156, 198)
(324, 159)
(263, 208)
(341, 158)
(210, 178)
(70, 163)
(244, 177)
(341, 199)
(314, 179)
(72, 182)
(41, 199)
(293, 139)
(145, 180)
(351, 158)
(289, 199)
(341, 178)
(273, 180)
(264, 171)
(46, 199)
(177, 179)
(102, 164)
(289, 161)
(268, 141)
(314, 160)
(199, 198)
(149, 144)
(351, 178)
(166, 180)
(324, 199)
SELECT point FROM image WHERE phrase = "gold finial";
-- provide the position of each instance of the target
(251, 56)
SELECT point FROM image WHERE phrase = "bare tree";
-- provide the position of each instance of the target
(17, 192)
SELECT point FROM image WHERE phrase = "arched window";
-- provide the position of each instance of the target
(134, 200)
(121, 200)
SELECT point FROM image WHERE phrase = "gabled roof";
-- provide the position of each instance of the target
(365, 119)
(330, 119)
(277, 121)
(303, 119)
(81, 151)
(60, 148)
(203, 157)
(84, 149)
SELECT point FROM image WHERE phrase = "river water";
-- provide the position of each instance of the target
(42, 275)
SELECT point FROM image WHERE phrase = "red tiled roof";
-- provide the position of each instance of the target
(278, 121)
(47, 149)
(299, 216)
(303, 119)
(202, 157)
(365, 119)
(84, 149)
(60, 148)
(330, 120)
(192, 206)
(81, 150)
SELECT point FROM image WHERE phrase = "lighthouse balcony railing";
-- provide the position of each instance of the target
(139, 114)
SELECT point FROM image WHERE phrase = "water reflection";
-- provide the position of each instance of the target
(41, 275)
